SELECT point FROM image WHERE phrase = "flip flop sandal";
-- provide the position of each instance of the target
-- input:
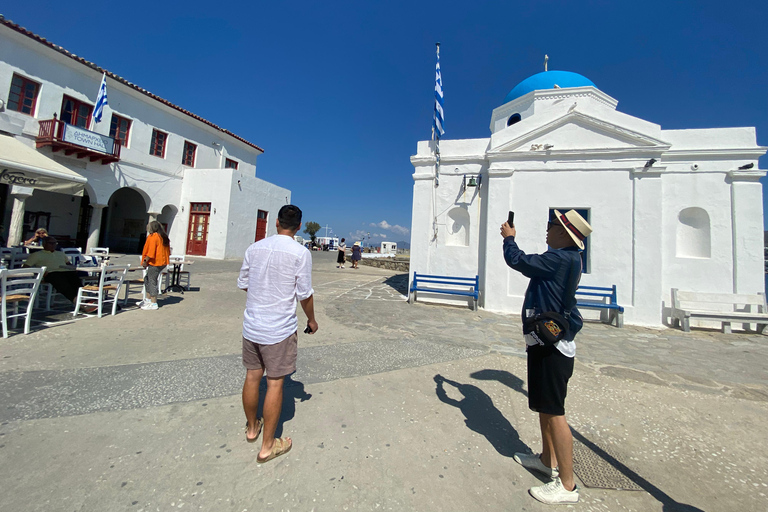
(261, 424)
(281, 447)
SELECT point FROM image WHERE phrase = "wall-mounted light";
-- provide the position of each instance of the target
(182, 208)
(214, 211)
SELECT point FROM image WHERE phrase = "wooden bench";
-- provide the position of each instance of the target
(425, 283)
(719, 307)
(599, 297)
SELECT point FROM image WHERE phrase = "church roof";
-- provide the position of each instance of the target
(548, 80)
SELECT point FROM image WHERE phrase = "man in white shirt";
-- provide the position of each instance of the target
(276, 274)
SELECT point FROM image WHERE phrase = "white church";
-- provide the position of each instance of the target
(98, 184)
(669, 208)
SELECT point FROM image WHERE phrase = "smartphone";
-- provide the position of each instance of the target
(511, 219)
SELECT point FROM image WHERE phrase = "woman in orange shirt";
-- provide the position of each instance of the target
(154, 258)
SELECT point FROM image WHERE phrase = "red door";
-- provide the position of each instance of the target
(261, 225)
(197, 237)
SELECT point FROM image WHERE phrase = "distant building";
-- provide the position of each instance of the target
(99, 185)
(670, 208)
(388, 248)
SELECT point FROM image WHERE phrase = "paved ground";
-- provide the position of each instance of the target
(394, 407)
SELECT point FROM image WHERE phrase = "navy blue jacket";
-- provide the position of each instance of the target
(549, 274)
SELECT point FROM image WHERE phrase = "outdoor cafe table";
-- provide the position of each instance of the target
(176, 277)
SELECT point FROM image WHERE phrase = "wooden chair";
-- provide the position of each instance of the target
(19, 285)
(108, 289)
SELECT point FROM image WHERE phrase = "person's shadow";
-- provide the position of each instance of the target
(482, 416)
(292, 390)
(668, 503)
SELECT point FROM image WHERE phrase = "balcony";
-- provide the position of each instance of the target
(77, 141)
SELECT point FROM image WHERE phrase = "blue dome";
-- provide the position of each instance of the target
(547, 80)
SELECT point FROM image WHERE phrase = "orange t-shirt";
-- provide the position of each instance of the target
(155, 250)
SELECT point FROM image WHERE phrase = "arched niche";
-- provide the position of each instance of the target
(458, 227)
(693, 234)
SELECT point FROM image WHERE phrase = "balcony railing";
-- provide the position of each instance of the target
(83, 143)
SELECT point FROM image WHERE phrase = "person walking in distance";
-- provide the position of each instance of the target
(154, 258)
(276, 273)
(342, 254)
(554, 277)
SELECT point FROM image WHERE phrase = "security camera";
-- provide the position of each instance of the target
(695, 167)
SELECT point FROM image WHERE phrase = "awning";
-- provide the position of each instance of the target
(26, 167)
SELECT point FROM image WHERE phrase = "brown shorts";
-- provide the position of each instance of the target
(279, 359)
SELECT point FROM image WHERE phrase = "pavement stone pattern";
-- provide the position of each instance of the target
(394, 407)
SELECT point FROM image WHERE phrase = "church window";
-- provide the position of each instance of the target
(693, 234)
(23, 95)
(188, 157)
(584, 212)
(514, 118)
(230, 164)
(458, 228)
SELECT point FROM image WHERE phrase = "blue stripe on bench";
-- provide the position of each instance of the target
(419, 280)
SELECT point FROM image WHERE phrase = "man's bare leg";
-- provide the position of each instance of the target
(273, 405)
(548, 455)
(562, 444)
(251, 400)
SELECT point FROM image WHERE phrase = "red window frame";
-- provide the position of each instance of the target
(158, 143)
(119, 129)
(76, 112)
(22, 97)
(230, 164)
(188, 157)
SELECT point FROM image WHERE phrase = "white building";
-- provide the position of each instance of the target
(670, 208)
(388, 248)
(99, 184)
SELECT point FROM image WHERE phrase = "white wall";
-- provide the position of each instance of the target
(232, 228)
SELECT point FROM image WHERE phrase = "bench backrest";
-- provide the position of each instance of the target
(718, 302)
(597, 292)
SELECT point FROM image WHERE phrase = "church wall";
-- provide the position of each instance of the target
(684, 262)
(531, 194)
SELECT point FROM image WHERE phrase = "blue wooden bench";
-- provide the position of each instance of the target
(599, 297)
(424, 282)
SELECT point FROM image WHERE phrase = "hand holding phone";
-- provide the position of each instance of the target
(511, 218)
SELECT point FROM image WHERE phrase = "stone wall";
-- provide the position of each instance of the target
(401, 265)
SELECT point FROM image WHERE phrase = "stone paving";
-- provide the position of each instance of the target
(394, 407)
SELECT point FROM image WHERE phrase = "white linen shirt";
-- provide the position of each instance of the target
(277, 272)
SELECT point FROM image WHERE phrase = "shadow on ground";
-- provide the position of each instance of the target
(516, 383)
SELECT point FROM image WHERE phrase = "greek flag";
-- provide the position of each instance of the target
(437, 122)
(101, 100)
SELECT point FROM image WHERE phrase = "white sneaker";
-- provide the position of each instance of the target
(533, 461)
(150, 306)
(554, 493)
(142, 302)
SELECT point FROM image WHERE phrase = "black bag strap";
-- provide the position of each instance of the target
(570, 289)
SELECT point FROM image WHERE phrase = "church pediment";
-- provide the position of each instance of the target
(576, 132)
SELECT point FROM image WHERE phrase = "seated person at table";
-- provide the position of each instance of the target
(59, 274)
(37, 238)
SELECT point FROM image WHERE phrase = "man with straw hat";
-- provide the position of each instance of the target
(554, 277)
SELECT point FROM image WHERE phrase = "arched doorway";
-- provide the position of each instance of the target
(124, 223)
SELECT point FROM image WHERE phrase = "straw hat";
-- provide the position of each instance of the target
(357, 244)
(578, 228)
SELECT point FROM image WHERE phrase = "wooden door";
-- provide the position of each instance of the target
(197, 236)
(261, 225)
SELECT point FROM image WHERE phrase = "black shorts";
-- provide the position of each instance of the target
(548, 374)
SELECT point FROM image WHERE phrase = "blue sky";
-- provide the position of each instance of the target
(338, 93)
